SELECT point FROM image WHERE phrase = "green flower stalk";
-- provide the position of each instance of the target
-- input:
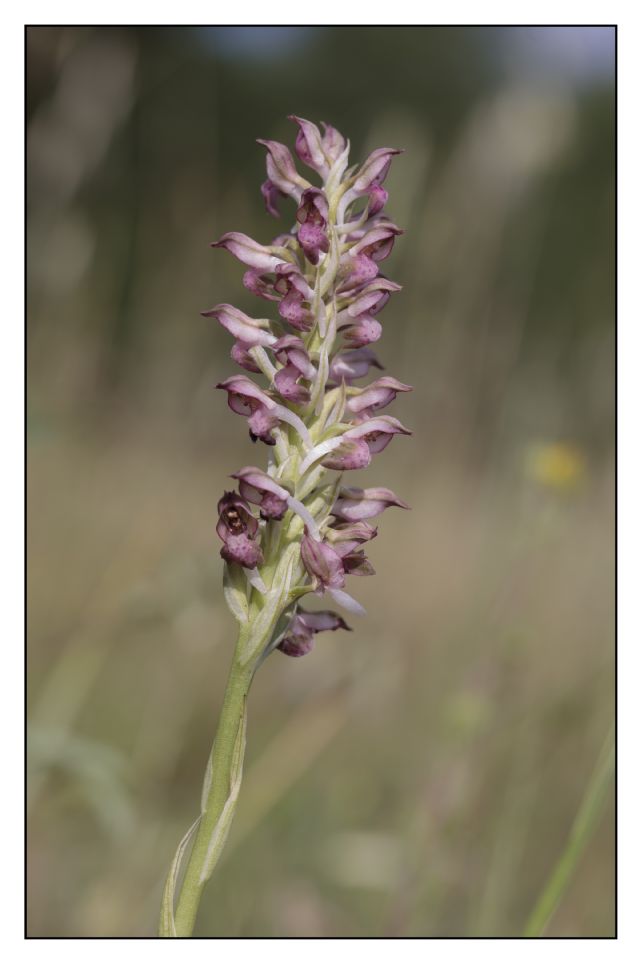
(292, 529)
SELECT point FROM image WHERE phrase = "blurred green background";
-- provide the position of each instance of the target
(419, 776)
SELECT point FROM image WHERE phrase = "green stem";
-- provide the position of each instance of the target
(584, 825)
(221, 786)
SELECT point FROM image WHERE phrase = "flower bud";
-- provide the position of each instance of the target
(333, 143)
(281, 170)
(309, 146)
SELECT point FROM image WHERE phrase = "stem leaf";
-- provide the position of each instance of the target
(221, 830)
(276, 601)
(235, 593)
(167, 919)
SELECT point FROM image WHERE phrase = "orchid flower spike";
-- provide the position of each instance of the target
(292, 529)
(324, 279)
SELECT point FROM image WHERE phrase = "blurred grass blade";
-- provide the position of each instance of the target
(167, 918)
(585, 823)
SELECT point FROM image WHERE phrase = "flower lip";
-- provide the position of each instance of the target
(235, 514)
(238, 530)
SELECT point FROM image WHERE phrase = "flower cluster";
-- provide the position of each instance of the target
(324, 280)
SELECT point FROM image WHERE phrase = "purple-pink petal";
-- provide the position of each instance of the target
(254, 281)
(365, 330)
(299, 637)
(261, 424)
(271, 195)
(377, 243)
(242, 550)
(322, 562)
(248, 251)
(373, 297)
(286, 384)
(349, 365)
(240, 354)
(376, 395)
(351, 455)
(249, 330)
(322, 620)
(260, 488)
(309, 145)
(333, 143)
(357, 504)
(375, 168)
(238, 529)
(356, 269)
(281, 169)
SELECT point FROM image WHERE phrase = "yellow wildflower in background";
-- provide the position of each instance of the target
(559, 465)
